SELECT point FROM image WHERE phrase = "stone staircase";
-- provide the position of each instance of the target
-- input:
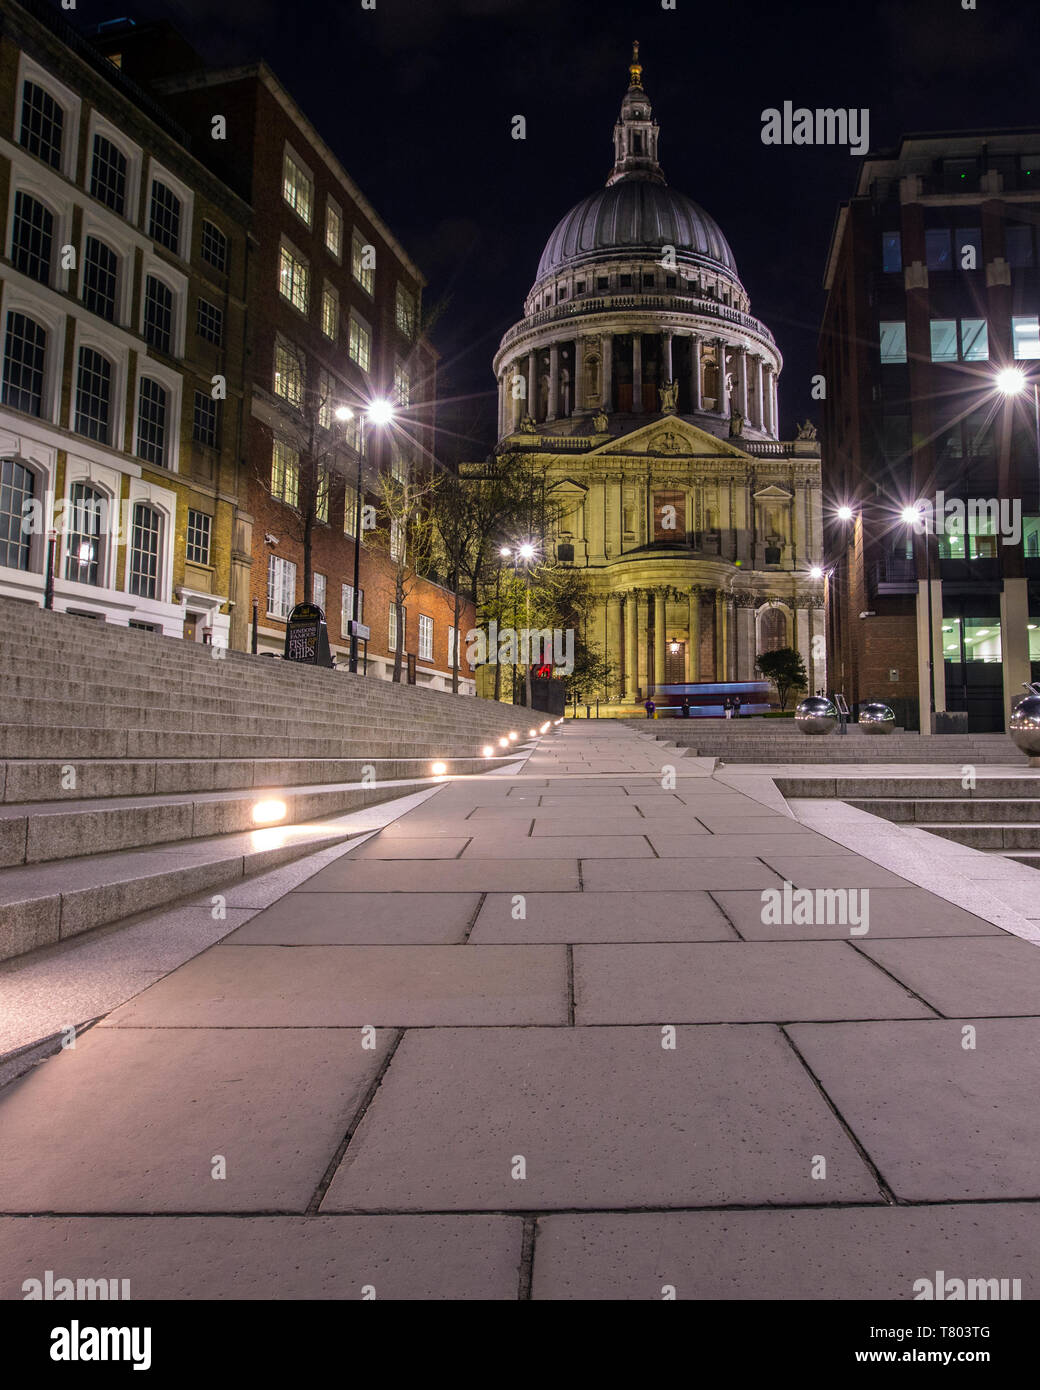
(762, 741)
(137, 769)
(999, 814)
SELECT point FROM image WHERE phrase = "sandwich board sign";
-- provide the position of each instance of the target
(307, 636)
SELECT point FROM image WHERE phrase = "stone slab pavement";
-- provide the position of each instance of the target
(603, 1022)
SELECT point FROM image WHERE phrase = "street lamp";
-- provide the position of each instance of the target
(1011, 382)
(913, 516)
(379, 413)
(845, 513)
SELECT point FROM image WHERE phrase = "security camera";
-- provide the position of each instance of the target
(869, 613)
(271, 540)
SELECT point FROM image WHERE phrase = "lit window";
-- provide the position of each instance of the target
(288, 372)
(425, 638)
(398, 463)
(321, 494)
(43, 122)
(318, 587)
(88, 508)
(293, 279)
(1025, 337)
(329, 312)
(164, 221)
(200, 527)
(333, 229)
(944, 340)
(405, 311)
(891, 251)
(893, 342)
(392, 634)
(213, 246)
(285, 473)
(17, 490)
(151, 422)
(974, 340)
(326, 388)
(402, 384)
(297, 188)
(281, 587)
(360, 343)
(362, 263)
(397, 539)
(144, 552)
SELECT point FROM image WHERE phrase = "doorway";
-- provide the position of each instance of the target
(675, 663)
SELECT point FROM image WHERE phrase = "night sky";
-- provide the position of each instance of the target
(417, 97)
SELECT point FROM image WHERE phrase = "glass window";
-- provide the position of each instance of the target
(32, 237)
(891, 251)
(937, 248)
(402, 384)
(979, 434)
(1031, 536)
(974, 340)
(87, 528)
(293, 280)
(965, 258)
(213, 246)
(893, 342)
(43, 123)
(981, 639)
(321, 494)
(285, 473)
(944, 340)
(362, 263)
(329, 312)
(108, 175)
(164, 219)
(360, 344)
(1025, 337)
(25, 348)
(347, 608)
(397, 539)
(100, 270)
(425, 638)
(158, 314)
(93, 395)
(326, 396)
(318, 588)
(200, 528)
(204, 419)
(297, 188)
(209, 321)
(1018, 244)
(333, 229)
(405, 311)
(144, 552)
(281, 587)
(151, 422)
(288, 372)
(17, 490)
(392, 633)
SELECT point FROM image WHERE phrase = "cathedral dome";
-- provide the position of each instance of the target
(631, 216)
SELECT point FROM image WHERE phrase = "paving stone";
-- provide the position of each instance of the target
(673, 846)
(401, 847)
(130, 1120)
(888, 912)
(352, 986)
(603, 1117)
(736, 982)
(967, 977)
(447, 876)
(558, 847)
(831, 870)
(326, 919)
(570, 917)
(275, 1258)
(818, 1254)
(671, 875)
(750, 825)
(941, 1122)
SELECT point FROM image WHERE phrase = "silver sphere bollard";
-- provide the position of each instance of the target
(1025, 727)
(816, 715)
(876, 718)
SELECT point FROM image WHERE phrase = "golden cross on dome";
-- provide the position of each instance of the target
(635, 70)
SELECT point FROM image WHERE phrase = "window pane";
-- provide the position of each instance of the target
(43, 122)
(214, 246)
(209, 322)
(329, 313)
(199, 529)
(285, 473)
(893, 342)
(25, 348)
(108, 175)
(944, 340)
(318, 589)
(32, 237)
(974, 340)
(144, 554)
(1018, 245)
(937, 248)
(17, 487)
(151, 423)
(294, 280)
(891, 251)
(1025, 337)
(361, 266)
(297, 189)
(281, 587)
(164, 222)
(204, 419)
(405, 311)
(360, 344)
(99, 279)
(425, 638)
(321, 494)
(333, 229)
(93, 395)
(86, 532)
(982, 639)
(288, 373)
(158, 314)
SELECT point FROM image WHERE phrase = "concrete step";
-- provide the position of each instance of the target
(974, 811)
(991, 836)
(1025, 786)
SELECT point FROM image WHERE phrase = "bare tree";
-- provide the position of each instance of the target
(404, 530)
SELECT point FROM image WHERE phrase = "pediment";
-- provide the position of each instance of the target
(669, 436)
(773, 492)
(569, 484)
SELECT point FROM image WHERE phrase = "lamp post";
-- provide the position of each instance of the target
(911, 516)
(379, 413)
(526, 554)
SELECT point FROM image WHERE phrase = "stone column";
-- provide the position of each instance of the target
(532, 384)
(742, 382)
(642, 676)
(578, 378)
(666, 344)
(660, 609)
(757, 395)
(554, 381)
(695, 634)
(695, 371)
(722, 404)
(745, 638)
(613, 647)
(775, 405)
(637, 373)
(767, 399)
(731, 638)
(607, 371)
(720, 635)
(1014, 644)
(631, 646)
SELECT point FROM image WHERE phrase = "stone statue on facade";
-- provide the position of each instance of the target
(669, 394)
(736, 424)
(600, 421)
(806, 431)
(527, 425)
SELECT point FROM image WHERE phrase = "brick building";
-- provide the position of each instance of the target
(335, 319)
(930, 350)
(122, 303)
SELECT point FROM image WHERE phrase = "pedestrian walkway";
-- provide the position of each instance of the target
(542, 1036)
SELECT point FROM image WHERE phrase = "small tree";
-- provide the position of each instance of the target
(405, 531)
(786, 669)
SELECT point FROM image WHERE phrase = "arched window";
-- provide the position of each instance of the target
(145, 548)
(100, 269)
(17, 487)
(25, 351)
(94, 395)
(84, 563)
(151, 422)
(32, 238)
(772, 629)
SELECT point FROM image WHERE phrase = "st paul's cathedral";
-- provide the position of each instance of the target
(642, 386)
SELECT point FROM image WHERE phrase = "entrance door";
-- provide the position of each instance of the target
(675, 663)
(192, 622)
